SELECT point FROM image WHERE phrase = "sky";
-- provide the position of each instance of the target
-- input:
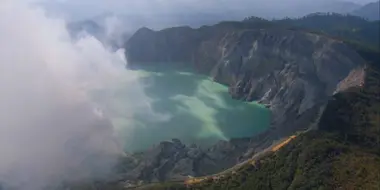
(88, 8)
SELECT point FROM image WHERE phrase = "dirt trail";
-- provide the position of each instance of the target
(285, 142)
(275, 148)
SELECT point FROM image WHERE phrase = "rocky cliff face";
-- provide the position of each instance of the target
(172, 160)
(293, 72)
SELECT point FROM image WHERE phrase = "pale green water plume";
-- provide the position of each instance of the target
(181, 105)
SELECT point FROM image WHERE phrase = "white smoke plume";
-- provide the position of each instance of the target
(49, 129)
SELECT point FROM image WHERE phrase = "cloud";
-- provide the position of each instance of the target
(50, 128)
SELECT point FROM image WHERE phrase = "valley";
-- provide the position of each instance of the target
(190, 95)
(255, 104)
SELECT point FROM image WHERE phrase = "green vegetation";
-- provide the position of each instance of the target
(312, 161)
(360, 34)
(339, 26)
(343, 27)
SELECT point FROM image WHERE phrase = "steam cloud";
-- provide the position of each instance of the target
(50, 131)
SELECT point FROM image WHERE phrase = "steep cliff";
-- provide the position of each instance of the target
(369, 11)
(292, 72)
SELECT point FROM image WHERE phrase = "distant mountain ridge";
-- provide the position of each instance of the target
(344, 27)
(369, 11)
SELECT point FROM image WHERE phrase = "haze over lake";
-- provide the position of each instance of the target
(181, 105)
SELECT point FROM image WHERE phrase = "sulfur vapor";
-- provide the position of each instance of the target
(51, 130)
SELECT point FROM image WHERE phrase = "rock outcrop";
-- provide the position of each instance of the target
(172, 160)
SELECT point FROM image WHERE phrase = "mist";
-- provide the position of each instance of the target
(52, 131)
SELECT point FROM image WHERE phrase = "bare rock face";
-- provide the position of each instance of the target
(172, 160)
(291, 72)
(156, 163)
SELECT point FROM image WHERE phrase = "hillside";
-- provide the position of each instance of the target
(369, 11)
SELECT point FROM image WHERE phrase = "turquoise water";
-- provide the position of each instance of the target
(178, 104)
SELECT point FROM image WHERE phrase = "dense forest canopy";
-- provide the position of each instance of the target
(361, 34)
(344, 27)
